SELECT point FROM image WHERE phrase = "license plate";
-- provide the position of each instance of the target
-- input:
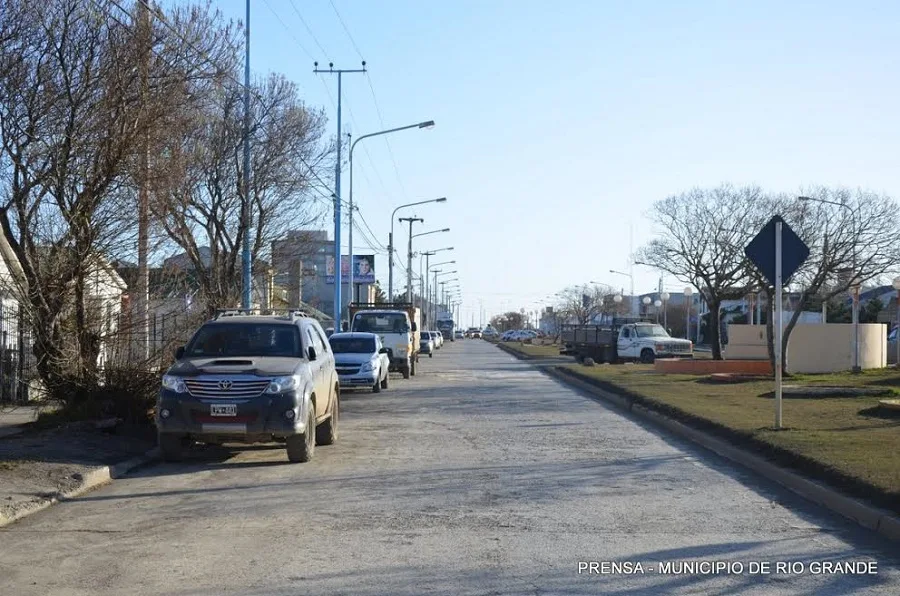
(223, 410)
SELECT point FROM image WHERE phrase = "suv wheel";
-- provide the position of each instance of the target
(647, 356)
(300, 448)
(376, 388)
(327, 432)
(384, 382)
(171, 447)
(412, 366)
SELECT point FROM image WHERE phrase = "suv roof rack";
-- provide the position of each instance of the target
(290, 314)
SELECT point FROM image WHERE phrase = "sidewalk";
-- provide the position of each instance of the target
(12, 417)
(38, 468)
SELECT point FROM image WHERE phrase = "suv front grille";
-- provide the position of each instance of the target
(226, 388)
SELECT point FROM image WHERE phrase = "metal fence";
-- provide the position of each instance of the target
(17, 361)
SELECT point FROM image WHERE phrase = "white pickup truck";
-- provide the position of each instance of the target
(624, 340)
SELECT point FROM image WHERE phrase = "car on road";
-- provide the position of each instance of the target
(361, 360)
(426, 345)
(251, 378)
(459, 334)
(438, 339)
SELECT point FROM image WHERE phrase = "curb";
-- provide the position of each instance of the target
(873, 518)
(93, 479)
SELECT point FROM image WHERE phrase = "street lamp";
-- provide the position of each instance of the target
(688, 292)
(433, 304)
(391, 242)
(631, 298)
(665, 300)
(657, 303)
(427, 124)
(646, 300)
(854, 285)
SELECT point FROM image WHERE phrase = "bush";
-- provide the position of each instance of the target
(588, 362)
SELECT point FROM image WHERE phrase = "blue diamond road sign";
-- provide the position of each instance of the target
(761, 251)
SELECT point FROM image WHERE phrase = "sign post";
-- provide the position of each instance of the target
(779, 330)
(777, 252)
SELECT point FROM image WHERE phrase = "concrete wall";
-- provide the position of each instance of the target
(814, 348)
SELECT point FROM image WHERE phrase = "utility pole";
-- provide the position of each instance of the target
(141, 304)
(337, 190)
(411, 220)
(246, 266)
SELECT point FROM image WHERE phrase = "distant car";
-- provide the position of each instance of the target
(438, 339)
(458, 334)
(476, 334)
(360, 360)
(426, 344)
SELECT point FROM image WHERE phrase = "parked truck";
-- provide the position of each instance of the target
(397, 324)
(446, 325)
(625, 339)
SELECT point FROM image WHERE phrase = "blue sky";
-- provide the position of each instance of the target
(559, 124)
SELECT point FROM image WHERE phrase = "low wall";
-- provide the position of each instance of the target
(708, 367)
(814, 348)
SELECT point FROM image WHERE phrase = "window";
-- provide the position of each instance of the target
(626, 333)
(241, 339)
(321, 342)
(381, 323)
(354, 345)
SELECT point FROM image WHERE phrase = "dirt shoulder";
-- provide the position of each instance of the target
(40, 465)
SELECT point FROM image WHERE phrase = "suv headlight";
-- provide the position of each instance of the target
(284, 384)
(367, 367)
(173, 383)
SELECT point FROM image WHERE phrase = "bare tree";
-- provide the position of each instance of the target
(702, 234)
(200, 203)
(72, 116)
(854, 244)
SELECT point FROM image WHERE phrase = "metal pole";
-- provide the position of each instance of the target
(337, 217)
(778, 328)
(856, 367)
(432, 314)
(391, 262)
(350, 223)
(687, 317)
(409, 265)
(245, 257)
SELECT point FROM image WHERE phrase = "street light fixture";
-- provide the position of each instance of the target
(391, 242)
(854, 285)
(630, 276)
(426, 124)
(665, 299)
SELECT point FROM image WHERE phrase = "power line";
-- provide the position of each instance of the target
(308, 30)
(347, 31)
(288, 29)
(386, 140)
(211, 62)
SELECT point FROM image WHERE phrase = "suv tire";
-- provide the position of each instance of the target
(376, 388)
(384, 382)
(300, 448)
(647, 356)
(327, 432)
(412, 366)
(171, 447)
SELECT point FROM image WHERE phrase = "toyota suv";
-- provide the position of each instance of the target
(251, 377)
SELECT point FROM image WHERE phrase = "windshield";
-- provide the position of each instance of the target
(353, 345)
(650, 331)
(381, 323)
(243, 339)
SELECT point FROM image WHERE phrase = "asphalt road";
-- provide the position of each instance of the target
(478, 476)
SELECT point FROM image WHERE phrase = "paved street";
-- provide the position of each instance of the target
(479, 476)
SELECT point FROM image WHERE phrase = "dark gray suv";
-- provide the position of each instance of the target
(251, 378)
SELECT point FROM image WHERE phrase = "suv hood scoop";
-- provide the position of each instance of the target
(230, 363)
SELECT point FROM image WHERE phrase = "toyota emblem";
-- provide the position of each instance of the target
(225, 385)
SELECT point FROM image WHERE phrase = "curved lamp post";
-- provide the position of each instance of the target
(391, 242)
(688, 292)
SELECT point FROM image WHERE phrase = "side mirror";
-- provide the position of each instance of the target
(311, 353)
(415, 327)
(383, 351)
(179, 353)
